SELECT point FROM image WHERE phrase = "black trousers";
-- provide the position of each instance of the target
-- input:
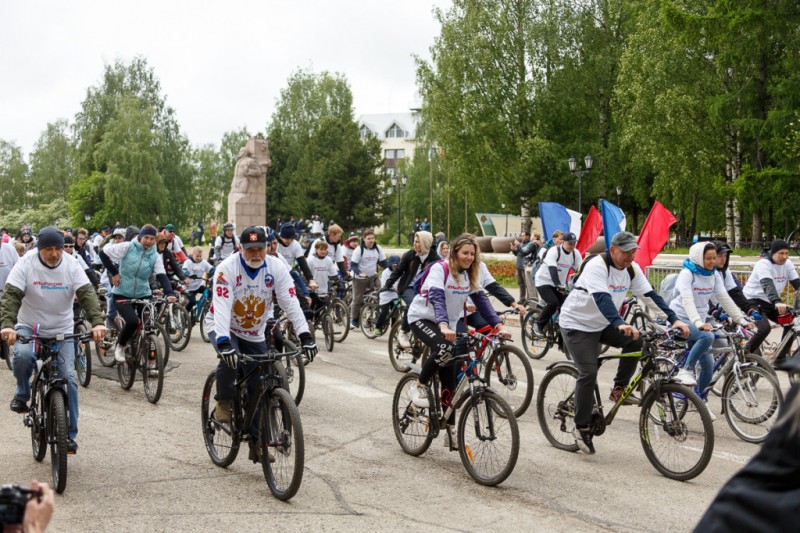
(554, 300)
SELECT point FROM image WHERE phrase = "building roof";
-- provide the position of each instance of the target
(380, 123)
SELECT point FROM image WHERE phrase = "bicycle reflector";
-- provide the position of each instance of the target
(786, 318)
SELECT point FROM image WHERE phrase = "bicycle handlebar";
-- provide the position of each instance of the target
(25, 339)
(270, 356)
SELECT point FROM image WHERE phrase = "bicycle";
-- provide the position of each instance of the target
(490, 454)
(340, 312)
(280, 432)
(402, 358)
(48, 414)
(789, 345)
(536, 346)
(176, 321)
(371, 310)
(203, 304)
(83, 351)
(675, 427)
(294, 363)
(143, 352)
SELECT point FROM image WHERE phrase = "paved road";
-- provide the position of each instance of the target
(144, 468)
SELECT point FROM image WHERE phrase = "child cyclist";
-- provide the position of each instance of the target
(323, 269)
(386, 298)
(197, 267)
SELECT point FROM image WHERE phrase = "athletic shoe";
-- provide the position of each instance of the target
(18, 406)
(72, 447)
(584, 440)
(685, 377)
(450, 438)
(616, 394)
(537, 330)
(403, 341)
(713, 416)
(418, 394)
(223, 411)
(377, 332)
(119, 354)
(353, 324)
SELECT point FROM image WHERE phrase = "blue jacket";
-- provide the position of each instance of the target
(135, 269)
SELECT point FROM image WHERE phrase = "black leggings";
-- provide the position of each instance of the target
(554, 301)
(129, 314)
(429, 333)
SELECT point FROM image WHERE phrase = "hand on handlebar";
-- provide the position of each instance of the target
(448, 333)
(9, 335)
(629, 331)
(705, 327)
(172, 299)
(98, 333)
(781, 308)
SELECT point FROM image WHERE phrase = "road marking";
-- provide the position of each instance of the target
(379, 352)
(359, 391)
(725, 456)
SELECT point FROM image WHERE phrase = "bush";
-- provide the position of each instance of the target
(505, 272)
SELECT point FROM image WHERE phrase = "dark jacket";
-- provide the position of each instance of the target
(408, 268)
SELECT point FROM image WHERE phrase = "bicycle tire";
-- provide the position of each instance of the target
(126, 372)
(180, 321)
(203, 332)
(411, 423)
(105, 353)
(38, 421)
(752, 403)
(281, 430)
(748, 358)
(222, 440)
(340, 315)
(690, 434)
(347, 297)
(327, 332)
(153, 385)
(400, 357)
(555, 407)
(509, 373)
(83, 358)
(295, 372)
(535, 346)
(478, 450)
(367, 319)
(57, 413)
(163, 339)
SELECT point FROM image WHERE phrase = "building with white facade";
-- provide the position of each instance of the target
(397, 133)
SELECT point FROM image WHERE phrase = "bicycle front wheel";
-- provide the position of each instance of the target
(83, 358)
(535, 346)
(509, 373)
(752, 401)
(163, 339)
(126, 372)
(222, 442)
(152, 368)
(340, 313)
(678, 442)
(295, 372)
(203, 332)
(57, 432)
(105, 351)
(399, 357)
(328, 331)
(180, 330)
(282, 447)
(555, 407)
(411, 423)
(368, 318)
(488, 444)
(38, 421)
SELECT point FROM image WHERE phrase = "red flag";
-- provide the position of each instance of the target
(654, 235)
(590, 231)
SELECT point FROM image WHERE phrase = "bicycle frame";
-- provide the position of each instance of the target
(264, 371)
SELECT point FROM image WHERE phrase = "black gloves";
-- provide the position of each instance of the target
(228, 353)
(308, 346)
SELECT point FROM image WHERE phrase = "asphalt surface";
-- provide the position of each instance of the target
(143, 467)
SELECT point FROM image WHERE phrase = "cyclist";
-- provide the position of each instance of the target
(551, 278)
(137, 259)
(589, 317)
(764, 287)
(38, 296)
(322, 265)
(412, 264)
(195, 266)
(694, 287)
(111, 309)
(175, 243)
(487, 282)
(225, 244)
(336, 248)
(347, 250)
(245, 286)
(366, 260)
(8, 258)
(443, 249)
(292, 252)
(171, 264)
(435, 312)
(386, 298)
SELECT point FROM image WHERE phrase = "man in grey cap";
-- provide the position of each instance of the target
(589, 317)
(551, 278)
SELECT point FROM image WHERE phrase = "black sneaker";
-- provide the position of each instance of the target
(583, 438)
(18, 406)
(72, 447)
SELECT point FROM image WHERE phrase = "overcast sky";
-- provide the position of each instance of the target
(221, 64)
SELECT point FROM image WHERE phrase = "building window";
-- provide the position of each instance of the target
(400, 154)
(365, 132)
(390, 172)
(395, 131)
(389, 154)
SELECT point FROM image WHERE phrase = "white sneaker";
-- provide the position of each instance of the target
(537, 330)
(713, 416)
(119, 354)
(419, 395)
(403, 341)
(685, 377)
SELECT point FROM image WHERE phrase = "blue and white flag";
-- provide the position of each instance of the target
(554, 217)
(613, 220)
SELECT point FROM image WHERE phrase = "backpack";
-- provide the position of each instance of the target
(667, 288)
(607, 259)
(537, 261)
(422, 277)
(530, 257)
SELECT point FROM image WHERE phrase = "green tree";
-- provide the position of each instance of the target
(14, 181)
(53, 163)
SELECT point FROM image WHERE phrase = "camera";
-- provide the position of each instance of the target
(13, 499)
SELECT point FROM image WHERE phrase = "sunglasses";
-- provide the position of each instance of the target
(69, 246)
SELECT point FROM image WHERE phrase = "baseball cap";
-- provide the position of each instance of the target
(625, 241)
(570, 237)
(253, 237)
(119, 232)
(169, 227)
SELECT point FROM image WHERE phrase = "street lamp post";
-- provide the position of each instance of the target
(503, 207)
(587, 161)
(619, 195)
(398, 186)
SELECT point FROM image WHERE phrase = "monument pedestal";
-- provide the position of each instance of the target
(247, 201)
(247, 209)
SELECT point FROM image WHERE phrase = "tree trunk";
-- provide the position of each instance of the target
(757, 234)
(737, 224)
(525, 213)
(694, 214)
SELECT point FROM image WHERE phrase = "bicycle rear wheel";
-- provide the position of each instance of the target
(752, 402)
(282, 447)
(104, 350)
(411, 423)
(221, 440)
(57, 432)
(488, 444)
(163, 339)
(400, 357)
(677, 442)
(38, 421)
(509, 373)
(555, 407)
(203, 332)
(328, 331)
(536, 346)
(180, 327)
(126, 372)
(152, 368)
(367, 319)
(83, 357)
(340, 313)
(295, 372)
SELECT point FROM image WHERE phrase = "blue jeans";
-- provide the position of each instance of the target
(25, 362)
(701, 353)
(111, 305)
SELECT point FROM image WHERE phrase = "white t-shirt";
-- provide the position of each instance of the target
(367, 259)
(226, 247)
(702, 288)
(386, 296)
(48, 292)
(337, 256)
(175, 245)
(196, 269)
(291, 252)
(456, 293)
(316, 226)
(485, 279)
(322, 268)
(563, 261)
(8, 258)
(766, 269)
(580, 311)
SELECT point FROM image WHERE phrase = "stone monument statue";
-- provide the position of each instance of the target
(247, 201)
